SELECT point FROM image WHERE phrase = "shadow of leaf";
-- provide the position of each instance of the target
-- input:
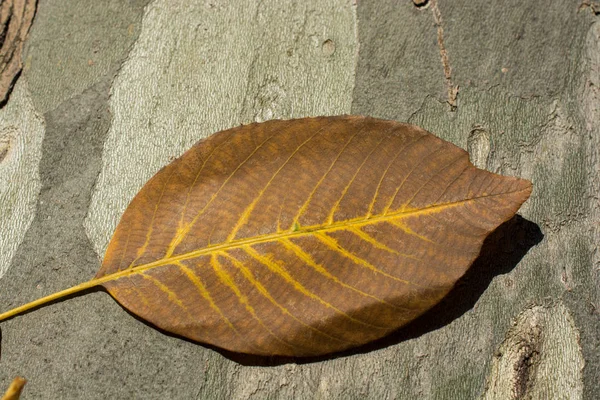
(500, 254)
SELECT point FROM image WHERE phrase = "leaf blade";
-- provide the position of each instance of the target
(354, 208)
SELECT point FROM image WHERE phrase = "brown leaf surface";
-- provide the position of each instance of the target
(304, 237)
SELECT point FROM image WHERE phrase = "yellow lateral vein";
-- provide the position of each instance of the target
(435, 174)
(370, 239)
(311, 194)
(334, 245)
(142, 249)
(140, 292)
(263, 291)
(304, 256)
(170, 294)
(227, 280)
(409, 231)
(206, 294)
(183, 232)
(387, 168)
(329, 219)
(125, 249)
(281, 271)
(300, 232)
(246, 214)
(189, 192)
(452, 182)
(414, 168)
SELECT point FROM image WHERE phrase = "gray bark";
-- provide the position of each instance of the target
(112, 91)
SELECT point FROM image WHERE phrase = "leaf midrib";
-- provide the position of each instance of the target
(223, 247)
(302, 231)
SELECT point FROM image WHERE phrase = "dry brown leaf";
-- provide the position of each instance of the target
(302, 237)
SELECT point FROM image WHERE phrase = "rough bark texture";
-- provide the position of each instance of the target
(111, 91)
(16, 17)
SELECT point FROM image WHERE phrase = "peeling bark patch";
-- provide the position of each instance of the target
(328, 48)
(6, 142)
(16, 17)
(539, 358)
(478, 144)
(593, 6)
(452, 89)
(517, 355)
(522, 367)
(21, 135)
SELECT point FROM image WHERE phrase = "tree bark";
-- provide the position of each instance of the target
(113, 91)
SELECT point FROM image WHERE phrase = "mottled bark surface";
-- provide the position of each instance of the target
(111, 91)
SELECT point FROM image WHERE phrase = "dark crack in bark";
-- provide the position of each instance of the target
(451, 87)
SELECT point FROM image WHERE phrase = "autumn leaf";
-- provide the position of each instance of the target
(302, 237)
(14, 389)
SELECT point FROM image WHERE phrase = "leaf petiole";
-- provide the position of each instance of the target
(44, 300)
